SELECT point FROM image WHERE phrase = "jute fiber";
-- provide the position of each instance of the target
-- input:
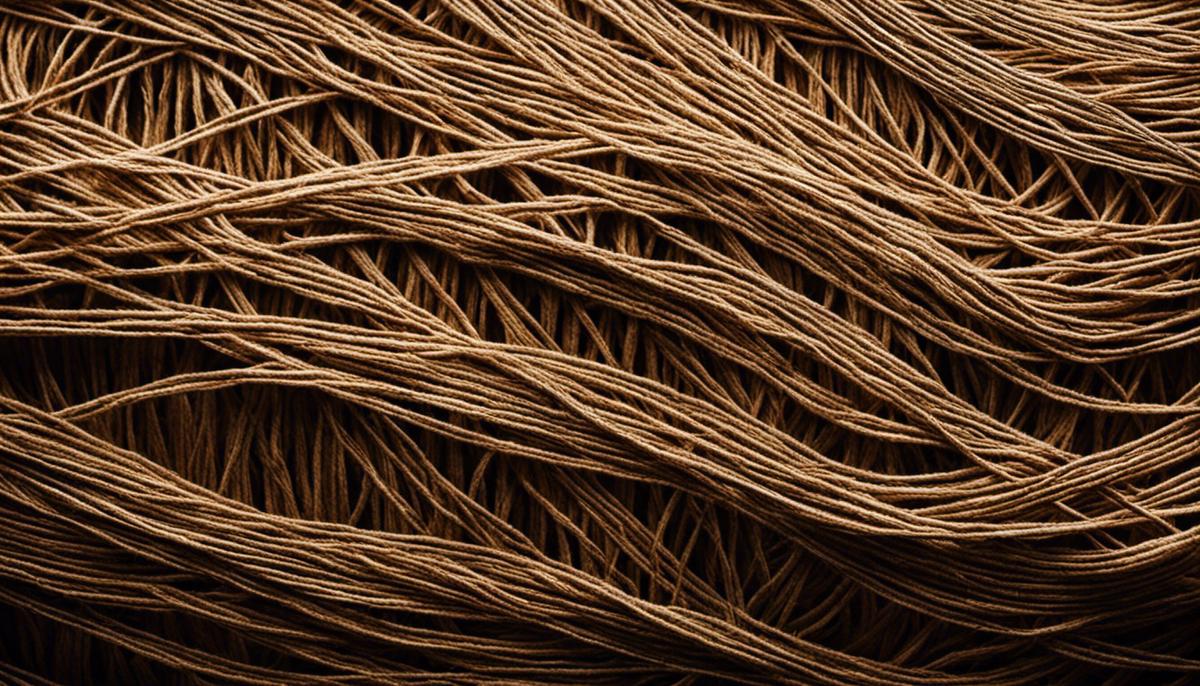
(600, 341)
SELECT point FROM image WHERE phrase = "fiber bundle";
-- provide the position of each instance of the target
(600, 342)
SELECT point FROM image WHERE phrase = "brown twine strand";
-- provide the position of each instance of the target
(599, 341)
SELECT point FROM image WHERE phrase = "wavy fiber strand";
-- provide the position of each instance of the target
(600, 341)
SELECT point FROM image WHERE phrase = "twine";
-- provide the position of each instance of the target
(599, 341)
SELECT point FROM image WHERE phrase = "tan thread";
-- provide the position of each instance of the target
(599, 341)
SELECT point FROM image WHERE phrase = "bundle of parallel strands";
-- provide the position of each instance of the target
(600, 341)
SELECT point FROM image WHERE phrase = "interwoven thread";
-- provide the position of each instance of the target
(599, 341)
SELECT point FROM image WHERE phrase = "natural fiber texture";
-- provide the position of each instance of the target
(600, 341)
